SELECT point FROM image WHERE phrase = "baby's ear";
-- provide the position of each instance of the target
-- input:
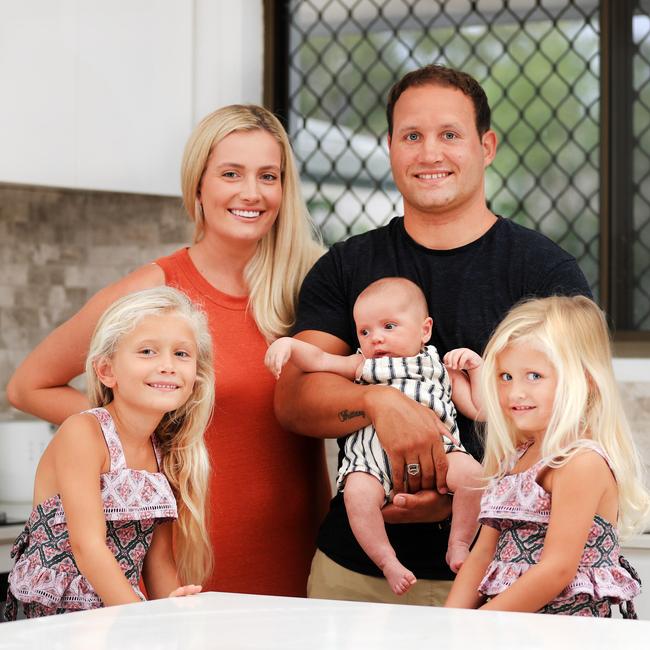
(104, 371)
(427, 328)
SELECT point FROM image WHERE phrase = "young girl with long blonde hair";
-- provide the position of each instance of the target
(565, 475)
(119, 481)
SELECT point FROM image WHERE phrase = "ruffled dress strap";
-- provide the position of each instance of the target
(113, 442)
(157, 451)
(520, 450)
(130, 494)
(515, 496)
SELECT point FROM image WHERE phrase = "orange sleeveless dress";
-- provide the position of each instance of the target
(268, 488)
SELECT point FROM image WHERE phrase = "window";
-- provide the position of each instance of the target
(569, 87)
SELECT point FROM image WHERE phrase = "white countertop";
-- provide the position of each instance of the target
(235, 621)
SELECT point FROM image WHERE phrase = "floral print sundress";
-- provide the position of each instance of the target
(45, 577)
(519, 508)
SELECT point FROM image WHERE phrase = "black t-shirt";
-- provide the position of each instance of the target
(468, 290)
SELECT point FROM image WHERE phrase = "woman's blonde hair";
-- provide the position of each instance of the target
(290, 248)
(185, 460)
(573, 333)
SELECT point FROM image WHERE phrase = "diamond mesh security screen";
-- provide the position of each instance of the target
(539, 65)
(641, 165)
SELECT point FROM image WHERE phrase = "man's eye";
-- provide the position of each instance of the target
(412, 137)
(449, 135)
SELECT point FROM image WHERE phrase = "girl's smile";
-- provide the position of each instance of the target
(161, 386)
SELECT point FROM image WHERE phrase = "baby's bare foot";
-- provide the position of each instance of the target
(457, 553)
(399, 577)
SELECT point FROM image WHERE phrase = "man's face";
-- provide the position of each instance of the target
(437, 156)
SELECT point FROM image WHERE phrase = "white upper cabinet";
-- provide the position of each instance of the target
(102, 95)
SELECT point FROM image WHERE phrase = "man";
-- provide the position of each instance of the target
(472, 266)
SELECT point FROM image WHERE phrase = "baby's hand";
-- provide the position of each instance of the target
(277, 355)
(185, 590)
(462, 359)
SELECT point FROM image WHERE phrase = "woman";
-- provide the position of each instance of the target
(253, 246)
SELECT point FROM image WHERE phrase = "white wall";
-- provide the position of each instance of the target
(632, 370)
(102, 94)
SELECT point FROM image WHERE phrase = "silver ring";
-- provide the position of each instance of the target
(413, 469)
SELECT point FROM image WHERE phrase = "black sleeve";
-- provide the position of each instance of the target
(323, 303)
(565, 279)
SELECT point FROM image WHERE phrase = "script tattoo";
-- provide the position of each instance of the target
(348, 415)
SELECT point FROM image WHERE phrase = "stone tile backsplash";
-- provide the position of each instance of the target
(59, 246)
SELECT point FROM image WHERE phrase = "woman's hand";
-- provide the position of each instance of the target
(185, 590)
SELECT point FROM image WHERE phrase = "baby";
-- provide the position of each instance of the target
(393, 327)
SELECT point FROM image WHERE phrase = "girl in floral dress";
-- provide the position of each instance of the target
(565, 475)
(117, 482)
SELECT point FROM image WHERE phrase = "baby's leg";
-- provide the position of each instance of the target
(463, 479)
(364, 497)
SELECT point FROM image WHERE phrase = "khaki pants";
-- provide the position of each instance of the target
(328, 579)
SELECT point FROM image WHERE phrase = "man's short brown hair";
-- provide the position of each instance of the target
(439, 75)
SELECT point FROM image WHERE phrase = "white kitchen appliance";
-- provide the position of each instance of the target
(21, 444)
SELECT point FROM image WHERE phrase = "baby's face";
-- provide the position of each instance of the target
(389, 326)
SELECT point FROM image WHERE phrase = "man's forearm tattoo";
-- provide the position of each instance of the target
(349, 415)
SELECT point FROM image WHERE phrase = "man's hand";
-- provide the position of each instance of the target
(410, 433)
(424, 506)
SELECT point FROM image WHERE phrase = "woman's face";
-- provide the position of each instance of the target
(241, 187)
